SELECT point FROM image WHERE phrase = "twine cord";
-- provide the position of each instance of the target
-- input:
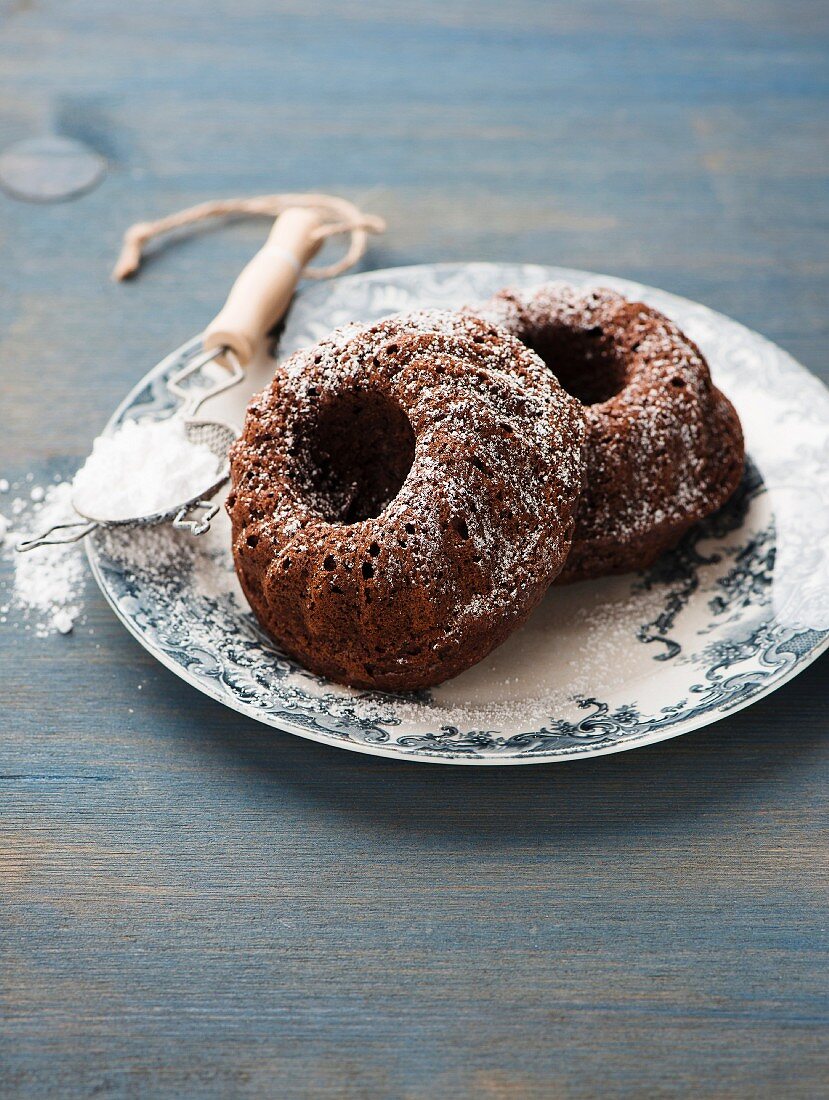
(344, 217)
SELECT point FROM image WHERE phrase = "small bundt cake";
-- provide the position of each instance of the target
(402, 495)
(664, 447)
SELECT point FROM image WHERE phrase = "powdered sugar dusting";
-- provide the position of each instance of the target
(47, 584)
(145, 468)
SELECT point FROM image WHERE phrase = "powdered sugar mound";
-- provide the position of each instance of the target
(144, 469)
(47, 583)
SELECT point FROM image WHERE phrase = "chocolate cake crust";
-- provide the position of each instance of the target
(402, 495)
(664, 446)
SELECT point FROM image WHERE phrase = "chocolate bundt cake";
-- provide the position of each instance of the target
(402, 495)
(664, 446)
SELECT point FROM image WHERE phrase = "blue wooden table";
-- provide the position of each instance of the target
(193, 905)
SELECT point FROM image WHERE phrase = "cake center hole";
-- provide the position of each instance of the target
(584, 360)
(361, 449)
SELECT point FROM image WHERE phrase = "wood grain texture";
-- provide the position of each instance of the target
(193, 905)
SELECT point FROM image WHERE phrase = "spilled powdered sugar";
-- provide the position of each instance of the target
(46, 585)
(45, 589)
(144, 468)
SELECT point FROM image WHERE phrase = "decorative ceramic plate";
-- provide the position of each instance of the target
(735, 611)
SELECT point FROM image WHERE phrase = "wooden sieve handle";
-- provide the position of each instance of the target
(262, 293)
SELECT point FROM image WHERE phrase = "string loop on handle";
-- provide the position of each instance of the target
(338, 215)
